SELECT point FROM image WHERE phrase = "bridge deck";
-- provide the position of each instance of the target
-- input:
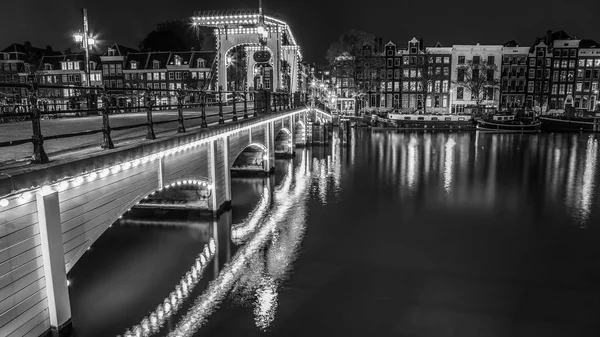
(14, 157)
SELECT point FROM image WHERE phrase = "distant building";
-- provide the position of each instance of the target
(67, 70)
(462, 99)
(166, 72)
(17, 61)
(587, 86)
(513, 86)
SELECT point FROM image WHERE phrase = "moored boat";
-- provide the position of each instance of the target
(424, 121)
(563, 124)
(508, 123)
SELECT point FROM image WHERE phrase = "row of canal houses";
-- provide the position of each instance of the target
(118, 67)
(556, 72)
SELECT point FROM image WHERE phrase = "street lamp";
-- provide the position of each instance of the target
(86, 41)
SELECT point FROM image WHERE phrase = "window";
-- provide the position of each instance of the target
(405, 60)
(491, 60)
(120, 83)
(476, 59)
(597, 62)
(163, 86)
(475, 74)
(162, 76)
(556, 52)
(572, 53)
(460, 93)
(461, 59)
(177, 60)
(554, 89)
(111, 52)
(178, 75)
(185, 75)
(490, 75)
(489, 93)
(390, 63)
(446, 71)
(155, 64)
(105, 69)
(112, 70)
(532, 62)
(113, 83)
(461, 75)
(438, 59)
(571, 63)
(119, 70)
(171, 75)
(390, 74)
(446, 59)
(149, 76)
(589, 62)
(531, 73)
(530, 87)
(588, 73)
(445, 86)
(396, 74)
(561, 89)
(134, 65)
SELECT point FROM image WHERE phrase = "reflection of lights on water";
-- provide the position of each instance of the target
(240, 232)
(571, 184)
(219, 288)
(412, 162)
(266, 303)
(588, 182)
(155, 320)
(448, 163)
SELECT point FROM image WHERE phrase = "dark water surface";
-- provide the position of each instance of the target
(399, 234)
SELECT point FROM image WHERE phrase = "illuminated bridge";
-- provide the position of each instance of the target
(53, 209)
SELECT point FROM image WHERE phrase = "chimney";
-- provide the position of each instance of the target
(548, 37)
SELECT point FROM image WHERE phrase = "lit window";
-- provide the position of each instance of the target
(133, 65)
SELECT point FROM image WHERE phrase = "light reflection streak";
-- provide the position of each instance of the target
(219, 288)
(241, 231)
(448, 163)
(412, 162)
(570, 192)
(155, 320)
(588, 182)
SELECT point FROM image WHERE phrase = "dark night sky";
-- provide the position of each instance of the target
(315, 23)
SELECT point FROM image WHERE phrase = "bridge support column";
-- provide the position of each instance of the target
(161, 172)
(212, 153)
(59, 306)
(270, 141)
(226, 170)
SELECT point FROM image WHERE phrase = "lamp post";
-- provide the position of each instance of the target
(86, 42)
(450, 102)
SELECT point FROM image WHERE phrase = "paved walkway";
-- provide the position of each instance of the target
(19, 155)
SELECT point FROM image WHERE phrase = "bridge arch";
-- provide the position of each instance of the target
(284, 145)
(253, 157)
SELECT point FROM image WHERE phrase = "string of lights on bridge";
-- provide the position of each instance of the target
(74, 181)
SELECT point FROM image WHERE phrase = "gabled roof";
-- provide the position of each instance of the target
(53, 60)
(588, 43)
(206, 55)
(438, 45)
(186, 57)
(161, 56)
(511, 43)
(140, 58)
(121, 50)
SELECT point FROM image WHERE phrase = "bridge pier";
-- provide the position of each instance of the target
(53, 255)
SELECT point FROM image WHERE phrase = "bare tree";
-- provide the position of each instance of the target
(478, 78)
(345, 56)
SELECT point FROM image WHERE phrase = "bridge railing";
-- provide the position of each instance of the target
(48, 101)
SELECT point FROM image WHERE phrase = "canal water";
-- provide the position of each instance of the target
(397, 234)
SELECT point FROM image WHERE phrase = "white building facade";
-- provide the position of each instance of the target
(461, 98)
